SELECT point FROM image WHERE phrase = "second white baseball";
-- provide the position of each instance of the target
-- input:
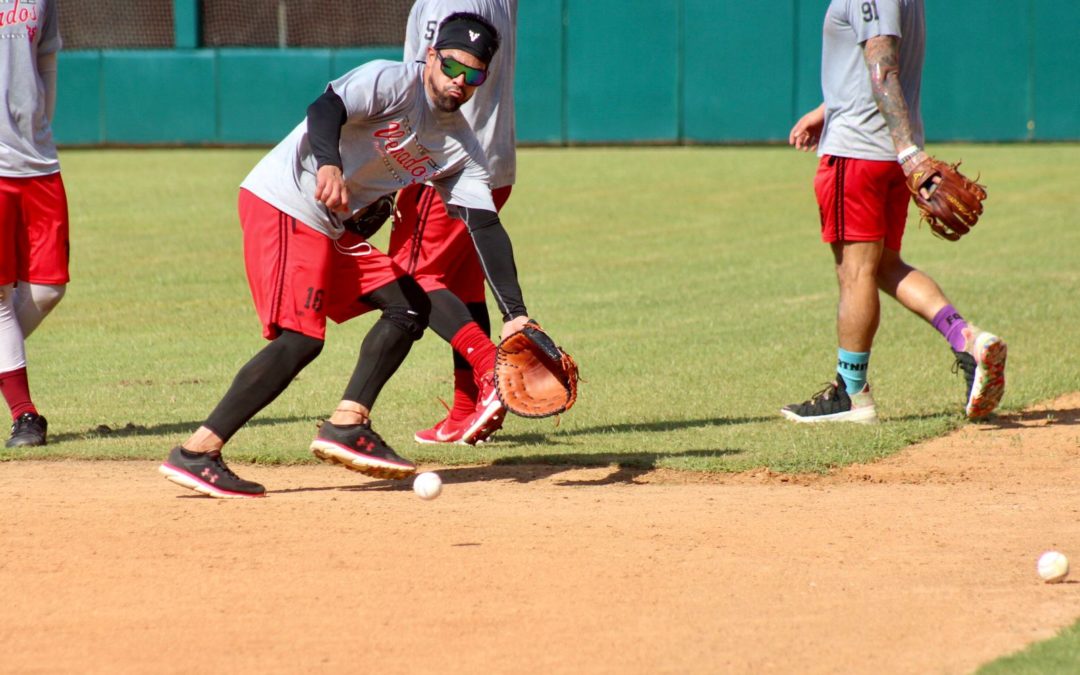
(1053, 567)
(427, 485)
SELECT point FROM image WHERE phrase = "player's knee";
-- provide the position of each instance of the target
(48, 296)
(411, 310)
(297, 349)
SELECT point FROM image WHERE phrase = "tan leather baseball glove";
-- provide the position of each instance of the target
(534, 377)
(952, 202)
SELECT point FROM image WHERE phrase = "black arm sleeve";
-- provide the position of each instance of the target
(324, 120)
(497, 259)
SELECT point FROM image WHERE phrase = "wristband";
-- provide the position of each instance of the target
(907, 153)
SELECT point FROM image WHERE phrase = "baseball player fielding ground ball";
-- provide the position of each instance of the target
(307, 210)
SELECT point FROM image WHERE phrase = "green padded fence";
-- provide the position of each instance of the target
(608, 71)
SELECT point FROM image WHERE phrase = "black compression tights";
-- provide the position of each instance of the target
(405, 309)
(261, 380)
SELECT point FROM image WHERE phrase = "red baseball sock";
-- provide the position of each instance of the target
(477, 348)
(16, 390)
(465, 394)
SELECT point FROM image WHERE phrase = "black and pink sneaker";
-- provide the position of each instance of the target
(207, 473)
(358, 448)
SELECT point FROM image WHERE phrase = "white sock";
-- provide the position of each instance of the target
(12, 351)
(33, 302)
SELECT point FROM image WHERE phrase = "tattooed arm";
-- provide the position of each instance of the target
(882, 55)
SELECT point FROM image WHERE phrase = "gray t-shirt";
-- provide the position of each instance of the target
(27, 31)
(853, 125)
(491, 109)
(393, 137)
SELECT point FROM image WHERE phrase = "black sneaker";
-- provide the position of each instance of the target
(28, 430)
(833, 404)
(206, 472)
(358, 448)
(965, 363)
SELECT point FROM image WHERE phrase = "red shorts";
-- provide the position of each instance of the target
(299, 276)
(435, 248)
(34, 244)
(861, 200)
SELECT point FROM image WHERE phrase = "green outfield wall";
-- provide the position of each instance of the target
(609, 71)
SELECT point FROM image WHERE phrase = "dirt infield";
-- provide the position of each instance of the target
(921, 563)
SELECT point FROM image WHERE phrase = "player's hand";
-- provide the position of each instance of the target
(513, 325)
(927, 188)
(914, 161)
(330, 188)
(807, 131)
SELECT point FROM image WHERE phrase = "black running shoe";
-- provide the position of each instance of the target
(28, 430)
(206, 472)
(965, 363)
(833, 404)
(358, 448)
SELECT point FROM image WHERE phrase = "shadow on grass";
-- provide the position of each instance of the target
(626, 468)
(658, 426)
(183, 428)
(1019, 420)
(1010, 420)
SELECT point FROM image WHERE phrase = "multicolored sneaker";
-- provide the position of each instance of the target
(983, 363)
(489, 415)
(358, 448)
(28, 430)
(207, 473)
(833, 404)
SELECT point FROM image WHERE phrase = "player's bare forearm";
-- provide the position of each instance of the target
(882, 55)
(47, 70)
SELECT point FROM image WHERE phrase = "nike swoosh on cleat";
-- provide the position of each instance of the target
(443, 438)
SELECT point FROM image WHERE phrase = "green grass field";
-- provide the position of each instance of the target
(1059, 656)
(689, 283)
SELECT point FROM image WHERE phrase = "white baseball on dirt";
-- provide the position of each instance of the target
(427, 485)
(1053, 567)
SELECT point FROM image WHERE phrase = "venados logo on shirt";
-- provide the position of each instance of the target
(416, 164)
(23, 11)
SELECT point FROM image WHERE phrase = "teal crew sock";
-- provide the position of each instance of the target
(852, 367)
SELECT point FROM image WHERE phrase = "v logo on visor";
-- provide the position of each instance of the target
(473, 36)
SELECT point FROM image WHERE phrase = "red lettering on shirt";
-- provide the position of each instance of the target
(416, 166)
(18, 15)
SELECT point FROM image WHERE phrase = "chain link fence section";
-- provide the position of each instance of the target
(299, 23)
(118, 24)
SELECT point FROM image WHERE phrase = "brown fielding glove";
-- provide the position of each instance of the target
(954, 204)
(534, 377)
